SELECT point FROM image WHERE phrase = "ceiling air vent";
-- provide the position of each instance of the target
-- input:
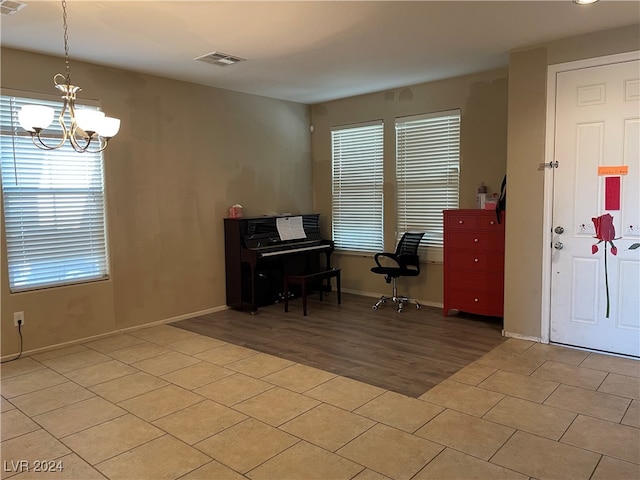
(219, 58)
(9, 7)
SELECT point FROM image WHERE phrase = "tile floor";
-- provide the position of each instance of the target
(165, 403)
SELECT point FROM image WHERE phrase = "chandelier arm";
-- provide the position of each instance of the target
(73, 140)
(103, 144)
(38, 142)
(75, 143)
(72, 133)
(85, 149)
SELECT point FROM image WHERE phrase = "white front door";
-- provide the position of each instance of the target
(595, 261)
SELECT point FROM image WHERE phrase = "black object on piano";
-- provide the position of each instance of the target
(257, 258)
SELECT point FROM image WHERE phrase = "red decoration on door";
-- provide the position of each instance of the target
(605, 232)
(612, 193)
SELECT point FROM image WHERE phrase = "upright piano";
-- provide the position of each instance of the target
(260, 251)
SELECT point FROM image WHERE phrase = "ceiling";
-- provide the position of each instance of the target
(305, 51)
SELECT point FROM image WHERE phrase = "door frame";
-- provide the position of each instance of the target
(549, 156)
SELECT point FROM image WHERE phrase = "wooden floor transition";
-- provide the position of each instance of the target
(406, 353)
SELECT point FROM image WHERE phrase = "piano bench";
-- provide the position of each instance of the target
(304, 280)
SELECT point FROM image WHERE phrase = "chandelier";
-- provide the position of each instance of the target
(88, 127)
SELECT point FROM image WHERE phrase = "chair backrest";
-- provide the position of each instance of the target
(409, 243)
(407, 252)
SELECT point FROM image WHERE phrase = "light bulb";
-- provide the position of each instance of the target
(109, 127)
(32, 117)
(88, 120)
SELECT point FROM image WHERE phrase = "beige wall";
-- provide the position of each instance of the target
(526, 150)
(526, 146)
(184, 154)
(482, 99)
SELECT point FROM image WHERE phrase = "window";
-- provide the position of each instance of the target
(357, 187)
(54, 207)
(427, 175)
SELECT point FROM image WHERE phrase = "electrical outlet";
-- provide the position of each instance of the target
(18, 318)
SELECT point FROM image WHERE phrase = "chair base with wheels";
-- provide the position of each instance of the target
(400, 301)
(407, 264)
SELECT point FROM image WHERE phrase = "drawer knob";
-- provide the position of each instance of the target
(460, 222)
(476, 260)
(493, 222)
(476, 240)
(476, 300)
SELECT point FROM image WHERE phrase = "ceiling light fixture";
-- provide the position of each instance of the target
(86, 125)
(584, 2)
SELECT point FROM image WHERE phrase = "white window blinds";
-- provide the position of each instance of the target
(54, 206)
(427, 175)
(358, 187)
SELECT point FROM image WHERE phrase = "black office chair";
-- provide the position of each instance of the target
(406, 264)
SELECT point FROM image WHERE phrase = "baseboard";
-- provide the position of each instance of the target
(122, 330)
(521, 337)
(358, 292)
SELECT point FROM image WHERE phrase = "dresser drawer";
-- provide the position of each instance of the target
(461, 222)
(478, 241)
(484, 303)
(476, 281)
(477, 261)
(490, 223)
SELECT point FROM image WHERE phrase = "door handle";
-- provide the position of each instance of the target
(552, 164)
(558, 245)
(559, 230)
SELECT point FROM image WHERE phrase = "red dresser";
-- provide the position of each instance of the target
(473, 262)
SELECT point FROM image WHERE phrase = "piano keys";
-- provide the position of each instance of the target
(260, 251)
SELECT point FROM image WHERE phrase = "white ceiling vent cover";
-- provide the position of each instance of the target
(9, 7)
(220, 59)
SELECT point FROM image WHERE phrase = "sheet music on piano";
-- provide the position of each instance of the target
(290, 228)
